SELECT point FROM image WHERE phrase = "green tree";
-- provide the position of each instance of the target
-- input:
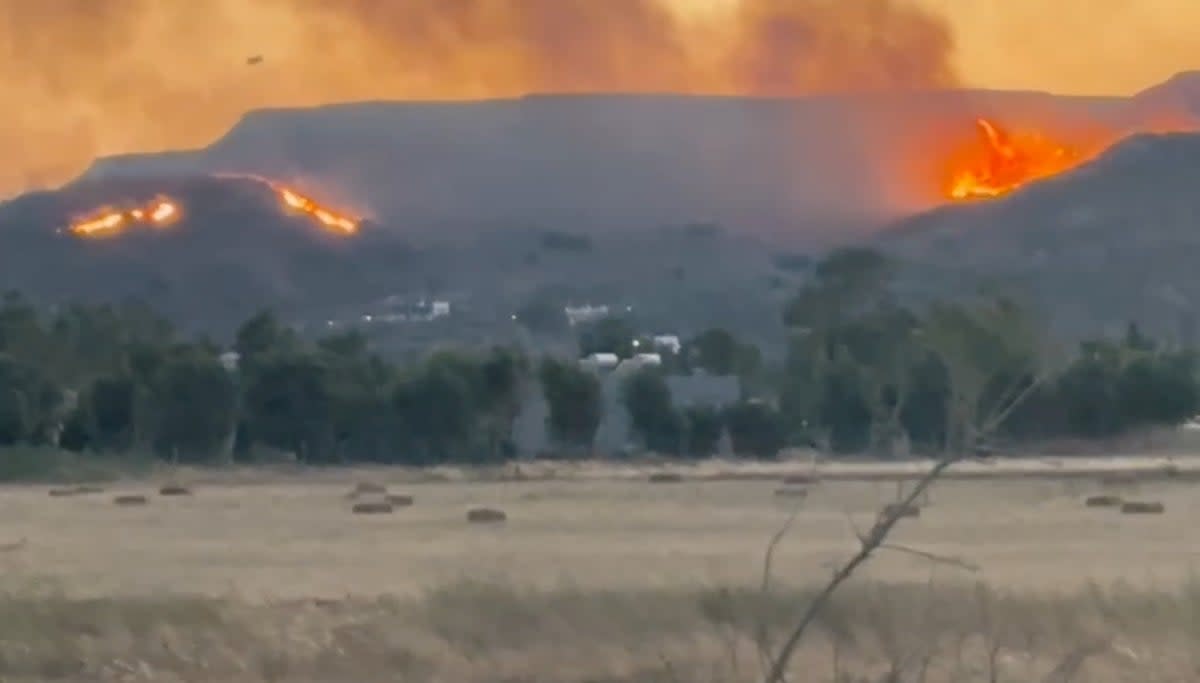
(1088, 392)
(703, 426)
(849, 366)
(30, 404)
(718, 352)
(1159, 389)
(438, 405)
(262, 335)
(756, 429)
(198, 405)
(288, 405)
(15, 421)
(361, 388)
(652, 414)
(502, 373)
(846, 282)
(575, 401)
(107, 407)
(990, 353)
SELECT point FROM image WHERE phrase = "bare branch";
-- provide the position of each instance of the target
(1007, 410)
(763, 632)
(870, 543)
(965, 427)
(769, 555)
(934, 557)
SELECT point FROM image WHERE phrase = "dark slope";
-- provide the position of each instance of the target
(232, 252)
(1113, 241)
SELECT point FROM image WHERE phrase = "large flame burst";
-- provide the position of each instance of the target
(160, 212)
(1001, 161)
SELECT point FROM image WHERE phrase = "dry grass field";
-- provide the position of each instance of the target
(599, 575)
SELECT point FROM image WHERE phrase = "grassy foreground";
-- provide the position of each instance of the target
(466, 633)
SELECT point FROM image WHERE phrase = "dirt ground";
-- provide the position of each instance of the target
(600, 575)
(1021, 526)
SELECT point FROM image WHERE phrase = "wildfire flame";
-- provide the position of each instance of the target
(160, 212)
(1001, 162)
(326, 217)
(293, 200)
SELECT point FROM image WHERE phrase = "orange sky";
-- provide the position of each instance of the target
(83, 78)
(1063, 46)
(1072, 46)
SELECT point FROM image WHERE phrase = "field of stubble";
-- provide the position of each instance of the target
(596, 578)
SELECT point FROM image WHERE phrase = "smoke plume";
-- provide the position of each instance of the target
(85, 78)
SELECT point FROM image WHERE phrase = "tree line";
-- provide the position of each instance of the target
(864, 372)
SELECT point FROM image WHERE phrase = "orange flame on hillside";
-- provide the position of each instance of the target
(1001, 162)
(325, 216)
(108, 221)
(293, 200)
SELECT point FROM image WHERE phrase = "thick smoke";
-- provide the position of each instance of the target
(85, 78)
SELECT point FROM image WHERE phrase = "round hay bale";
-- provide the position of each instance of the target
(399, 500)
(1143, 508)
(900, 510)
(666, 478)
(372, 508)
(174, 490)
(791, 492)
(130, 500)
(486, 516)
(1104, 502)
(801, 479)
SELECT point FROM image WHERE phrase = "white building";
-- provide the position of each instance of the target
(668, 342)
(600, 361)
(585, 314)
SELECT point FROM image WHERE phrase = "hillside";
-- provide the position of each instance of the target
(460, 197)
(803, 170)
(1113, 241)
(232, 252)
(235, 250)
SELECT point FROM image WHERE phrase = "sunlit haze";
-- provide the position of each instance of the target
(87, 78)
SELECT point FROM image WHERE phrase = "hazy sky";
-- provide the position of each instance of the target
(1072, 46)
(1064, 46)
(86, 78)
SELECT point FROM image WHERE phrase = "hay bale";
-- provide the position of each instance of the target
(372, 508)
(398, 500)
(486, 516)
(174, 490)
(801, 479)
(900, 510)
(1143, 508)
(791, 492)
(666, 478)
(130, 500)
(1104, 502)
